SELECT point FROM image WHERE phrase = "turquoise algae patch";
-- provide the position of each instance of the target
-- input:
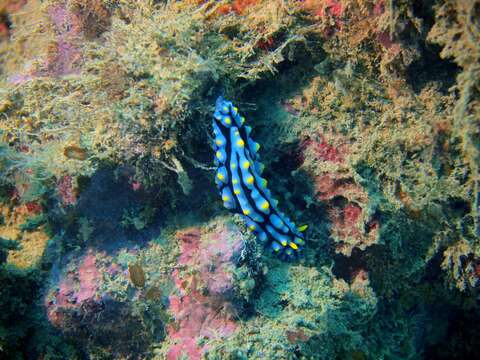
(243, 189)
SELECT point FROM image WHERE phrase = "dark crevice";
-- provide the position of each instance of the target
(346, 267)
(430, 67)
(462, 337)
(5, 25)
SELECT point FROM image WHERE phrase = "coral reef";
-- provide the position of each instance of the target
(456, 28)
(114, 243)
(23, 224)
(203, 309)
(91, 313)
(334, 184)
(7, 8)
(302, 310)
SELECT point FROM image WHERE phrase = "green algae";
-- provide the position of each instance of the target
(139, 220)
(456, 29)
(33, 223)
(131, 102)
(306, 300)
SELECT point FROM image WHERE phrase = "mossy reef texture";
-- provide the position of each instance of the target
(114, 242)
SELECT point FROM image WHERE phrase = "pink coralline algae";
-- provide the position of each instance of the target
(66, 191)
(360, 283)
(87, 276)
(326, 9)
(334, 184)
(65, 56)
(75, 289)
(136, 185)
(326, 152)
(33, 207)
(383, 36)
(69, 31)
(94, 319)
(202, 309)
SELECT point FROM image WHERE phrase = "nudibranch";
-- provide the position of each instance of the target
(242, 187)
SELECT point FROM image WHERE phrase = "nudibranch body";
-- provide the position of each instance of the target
(244, 190)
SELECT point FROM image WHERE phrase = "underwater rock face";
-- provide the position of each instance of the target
(71, 25)
(327, 10)
(74, 290)
(24, 223)
(367, 112)
(66, 191)
(334, 185)
(7, 8)
(90, 317)
(64, 55)
(203, 307)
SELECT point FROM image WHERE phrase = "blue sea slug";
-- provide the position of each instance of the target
(244, 190)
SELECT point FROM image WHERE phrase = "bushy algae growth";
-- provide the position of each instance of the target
(303, 309)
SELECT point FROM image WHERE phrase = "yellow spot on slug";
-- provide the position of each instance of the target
(225, 109)
(252, 227)
(235, 109)
(250, 180)
(227, 120)
(240, 143)
(242, 120)
(246, 212)
(220, 176)
(246, 164)
(284, 243)
(218, 154)
(303, 228)
(237, 191)
(219, 142)
(225, 198)
(257, 146)
(234, 181)
(293, 246)
(265, 205)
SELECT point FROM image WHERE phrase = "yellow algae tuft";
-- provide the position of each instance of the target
(32, 244)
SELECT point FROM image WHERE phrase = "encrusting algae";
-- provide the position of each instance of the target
(31, 244)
